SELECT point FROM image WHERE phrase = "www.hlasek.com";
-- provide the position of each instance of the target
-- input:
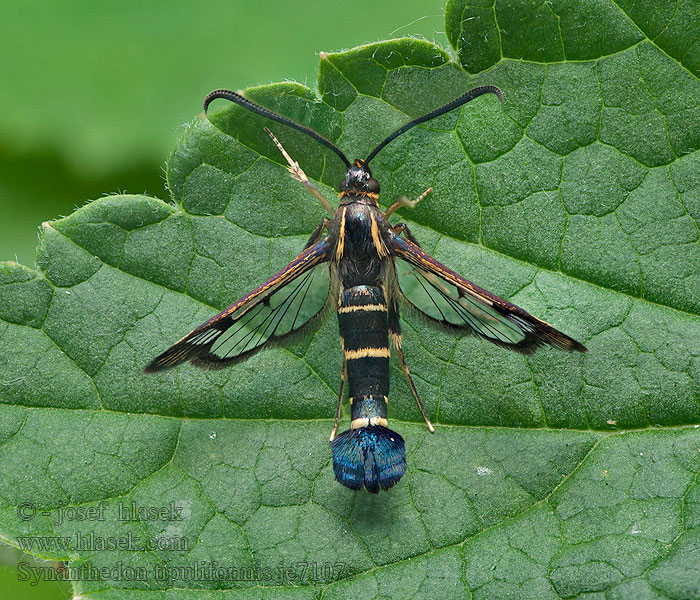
(80, 542)
(201, 571)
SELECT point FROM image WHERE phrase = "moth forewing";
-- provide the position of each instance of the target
(447, 298)
(272, 312)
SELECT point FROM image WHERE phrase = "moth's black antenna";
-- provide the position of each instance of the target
(256, 108)
(463, 99)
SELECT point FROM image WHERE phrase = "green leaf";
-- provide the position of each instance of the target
(550, 476)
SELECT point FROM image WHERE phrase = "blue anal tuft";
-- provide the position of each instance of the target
(372, 456)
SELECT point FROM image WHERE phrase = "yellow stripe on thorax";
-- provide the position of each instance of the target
(341, 238)
(376, 238)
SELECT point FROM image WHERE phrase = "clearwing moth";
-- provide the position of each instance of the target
(367, 269)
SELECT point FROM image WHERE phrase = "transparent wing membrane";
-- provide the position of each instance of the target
(447, 298)
(442, 302)
(283, 313)
(271, 313)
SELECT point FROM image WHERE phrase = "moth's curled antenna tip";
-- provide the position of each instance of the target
(237, 97)
(487, 89)
(323, 55)
(240, 99)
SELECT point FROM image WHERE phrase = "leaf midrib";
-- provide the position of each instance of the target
(447, 426)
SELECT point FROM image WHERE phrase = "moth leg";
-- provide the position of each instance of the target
(343, 377)
(395, 333)
(316, 235)
(403, 201)
(400, 228)
(297, 173)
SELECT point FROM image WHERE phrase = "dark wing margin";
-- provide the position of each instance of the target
(449, 299)
(274, 311)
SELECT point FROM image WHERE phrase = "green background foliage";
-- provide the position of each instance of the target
(95, 96)
(550, 476)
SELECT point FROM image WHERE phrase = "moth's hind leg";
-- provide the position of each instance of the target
(395, 333)
(297, 173)
(403, 201)
(343, 377)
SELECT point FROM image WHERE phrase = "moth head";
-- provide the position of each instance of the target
(358, 178)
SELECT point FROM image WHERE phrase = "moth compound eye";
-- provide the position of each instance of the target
(373, 185)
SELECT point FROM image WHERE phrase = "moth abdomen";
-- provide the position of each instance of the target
(364, 328)
(368, 454)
